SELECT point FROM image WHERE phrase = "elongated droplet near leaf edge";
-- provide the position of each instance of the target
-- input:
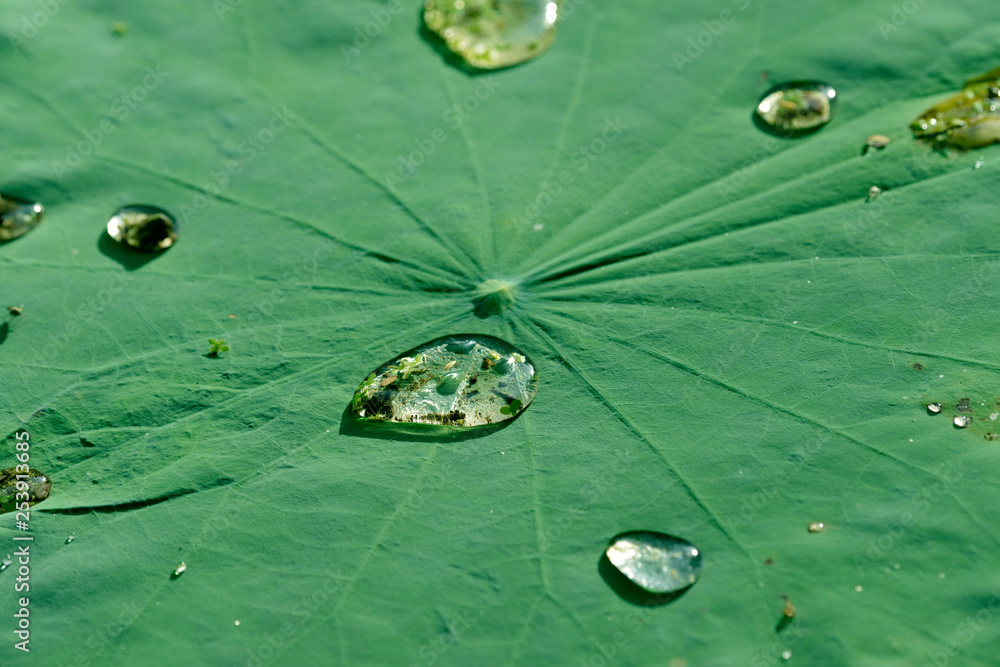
(38, 488)
(464, 381)
(18, 217)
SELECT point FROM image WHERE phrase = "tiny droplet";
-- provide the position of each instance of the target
(143, 228)
(817, 527)
(179, 570)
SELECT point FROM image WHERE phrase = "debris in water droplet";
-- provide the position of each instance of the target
(816, 527)
(179, 570)
(962, 421)
(934, 408)
(71, 537)
(797, 108)
(464, 380)
(789, 610)
(876, 142)
(873, 192)
(37, 486)
(18, 217)
(143, 228)
(992, 436)
(490, 34)
(968, 119)
(656, 562)
(963, 405)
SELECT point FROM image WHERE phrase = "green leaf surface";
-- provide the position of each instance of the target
(732, 343)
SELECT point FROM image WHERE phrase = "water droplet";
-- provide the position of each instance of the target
(6, 563)
(979, 163)
(962, 421)
(143, 228)
(237, 622)
(797, 108)
(934, 408)
(38, 488)
(940, 575)
(876, 142)
(656, 562)
(992, 436)
(487, 381)
(786, 655)
(873, 192)
(963, 405)
(71, 537)
(490, 34)
(968, 119)
(18, 217)
(858, 589)
(179, 570)
(816, 527)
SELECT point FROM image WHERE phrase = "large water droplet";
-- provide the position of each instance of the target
(18, 217)
(934, 408)
(656, 562)
(144, 228)
(35, 484)
(797, 108)
(968, 119)
(462, 380)
(962, 421)
(490, 34)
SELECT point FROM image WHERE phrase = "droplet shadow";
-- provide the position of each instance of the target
(627, 590)
(352, 425)
(131, 260)
(4, 332)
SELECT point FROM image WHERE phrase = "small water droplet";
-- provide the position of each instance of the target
(895, 566)
(786, 655)
(873, 192)
(237, 622)
(979, 163)
(18, 217)
(963, 405)
(143, 228)
(816, 527)
(6, 563)
(656, 562)
(179, 570)
(490, 34)
(797, 108)
(487, 381)
(71, 537)
(858, 589)
(934, 408)
(876, 142)
(962, 421)
(940, 575)
(39, 486)
(992, 436)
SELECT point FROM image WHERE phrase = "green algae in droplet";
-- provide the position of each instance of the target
(36, 485)
(467, 380)
(18, 217)
(655, 562)
(490, 34)
(797, 108)
(143, 228)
